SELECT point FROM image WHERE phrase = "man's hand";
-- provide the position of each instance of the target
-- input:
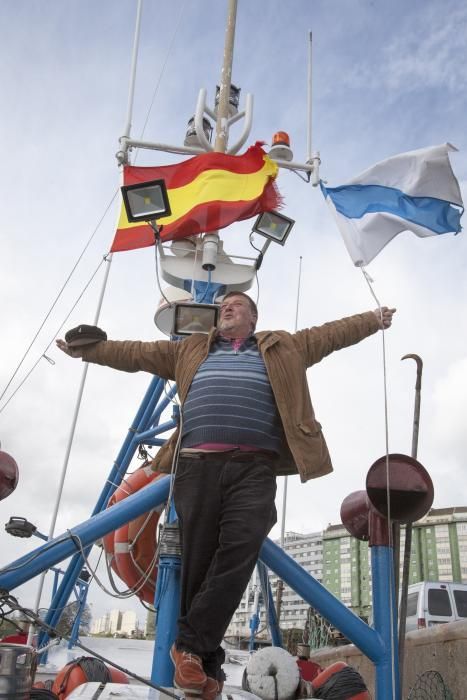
(384, 316)
(64, 347)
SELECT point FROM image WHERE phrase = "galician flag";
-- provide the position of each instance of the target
(207, 192)
(415, 191)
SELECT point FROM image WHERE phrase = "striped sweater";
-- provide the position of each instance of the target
(230, 400)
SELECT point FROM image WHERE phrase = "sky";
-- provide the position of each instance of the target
(387, 78)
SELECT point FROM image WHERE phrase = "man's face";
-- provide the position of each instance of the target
(236, 317)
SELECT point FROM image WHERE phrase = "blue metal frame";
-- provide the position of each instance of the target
(379, 644)
(143, 429)
(273, 622)
(81, 596)
(167, 605)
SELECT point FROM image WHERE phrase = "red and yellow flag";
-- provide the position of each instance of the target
(206, 193)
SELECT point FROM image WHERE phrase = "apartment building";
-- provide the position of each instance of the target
(343, 564)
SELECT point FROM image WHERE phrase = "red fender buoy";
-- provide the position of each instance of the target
(8, 475)
(345, 674)
(131, 548)
(74, 674)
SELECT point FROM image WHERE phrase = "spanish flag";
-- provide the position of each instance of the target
(207, 192)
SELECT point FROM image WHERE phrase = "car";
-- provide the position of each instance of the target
(435, 602)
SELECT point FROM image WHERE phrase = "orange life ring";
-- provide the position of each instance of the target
(130, 550)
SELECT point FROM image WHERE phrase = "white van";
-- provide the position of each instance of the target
(434, 602)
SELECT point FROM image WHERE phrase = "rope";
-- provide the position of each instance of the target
(42, 694)
(341, 685)
(94, 670)
(123, 594)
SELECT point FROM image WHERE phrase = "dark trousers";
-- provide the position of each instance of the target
(225, 505)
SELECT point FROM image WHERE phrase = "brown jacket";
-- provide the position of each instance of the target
(286, 357)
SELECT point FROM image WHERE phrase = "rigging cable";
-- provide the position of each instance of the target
(104, 259)
(161, 74)
(96, 228)
(52, 631)
(369, 282)
(94, 232)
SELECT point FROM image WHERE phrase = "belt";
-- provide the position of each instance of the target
(236, 455)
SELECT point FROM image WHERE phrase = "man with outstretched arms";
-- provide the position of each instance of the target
(246, 417)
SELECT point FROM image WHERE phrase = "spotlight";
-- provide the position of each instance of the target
(192, 318)
(273, 226)
(146, 201)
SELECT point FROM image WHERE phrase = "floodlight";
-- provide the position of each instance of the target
(192, 318)
(273, 226)
(146, 201)
(84, 576)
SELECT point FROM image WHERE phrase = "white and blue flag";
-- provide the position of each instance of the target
(415, 191)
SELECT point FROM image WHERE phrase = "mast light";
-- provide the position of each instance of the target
(234, 99)
(191, 137)
(146, 201)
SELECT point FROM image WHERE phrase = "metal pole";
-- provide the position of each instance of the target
(271, 614)
(167, 600)
(222, 133)
(309, 152)
(280, 583)
(122, 154)
(84, 534)
(254, 620)
(408, 527)
(385, 622)
(314, 593)
(71, 436)
(211, 239)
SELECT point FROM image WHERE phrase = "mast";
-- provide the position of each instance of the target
(211, 239)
